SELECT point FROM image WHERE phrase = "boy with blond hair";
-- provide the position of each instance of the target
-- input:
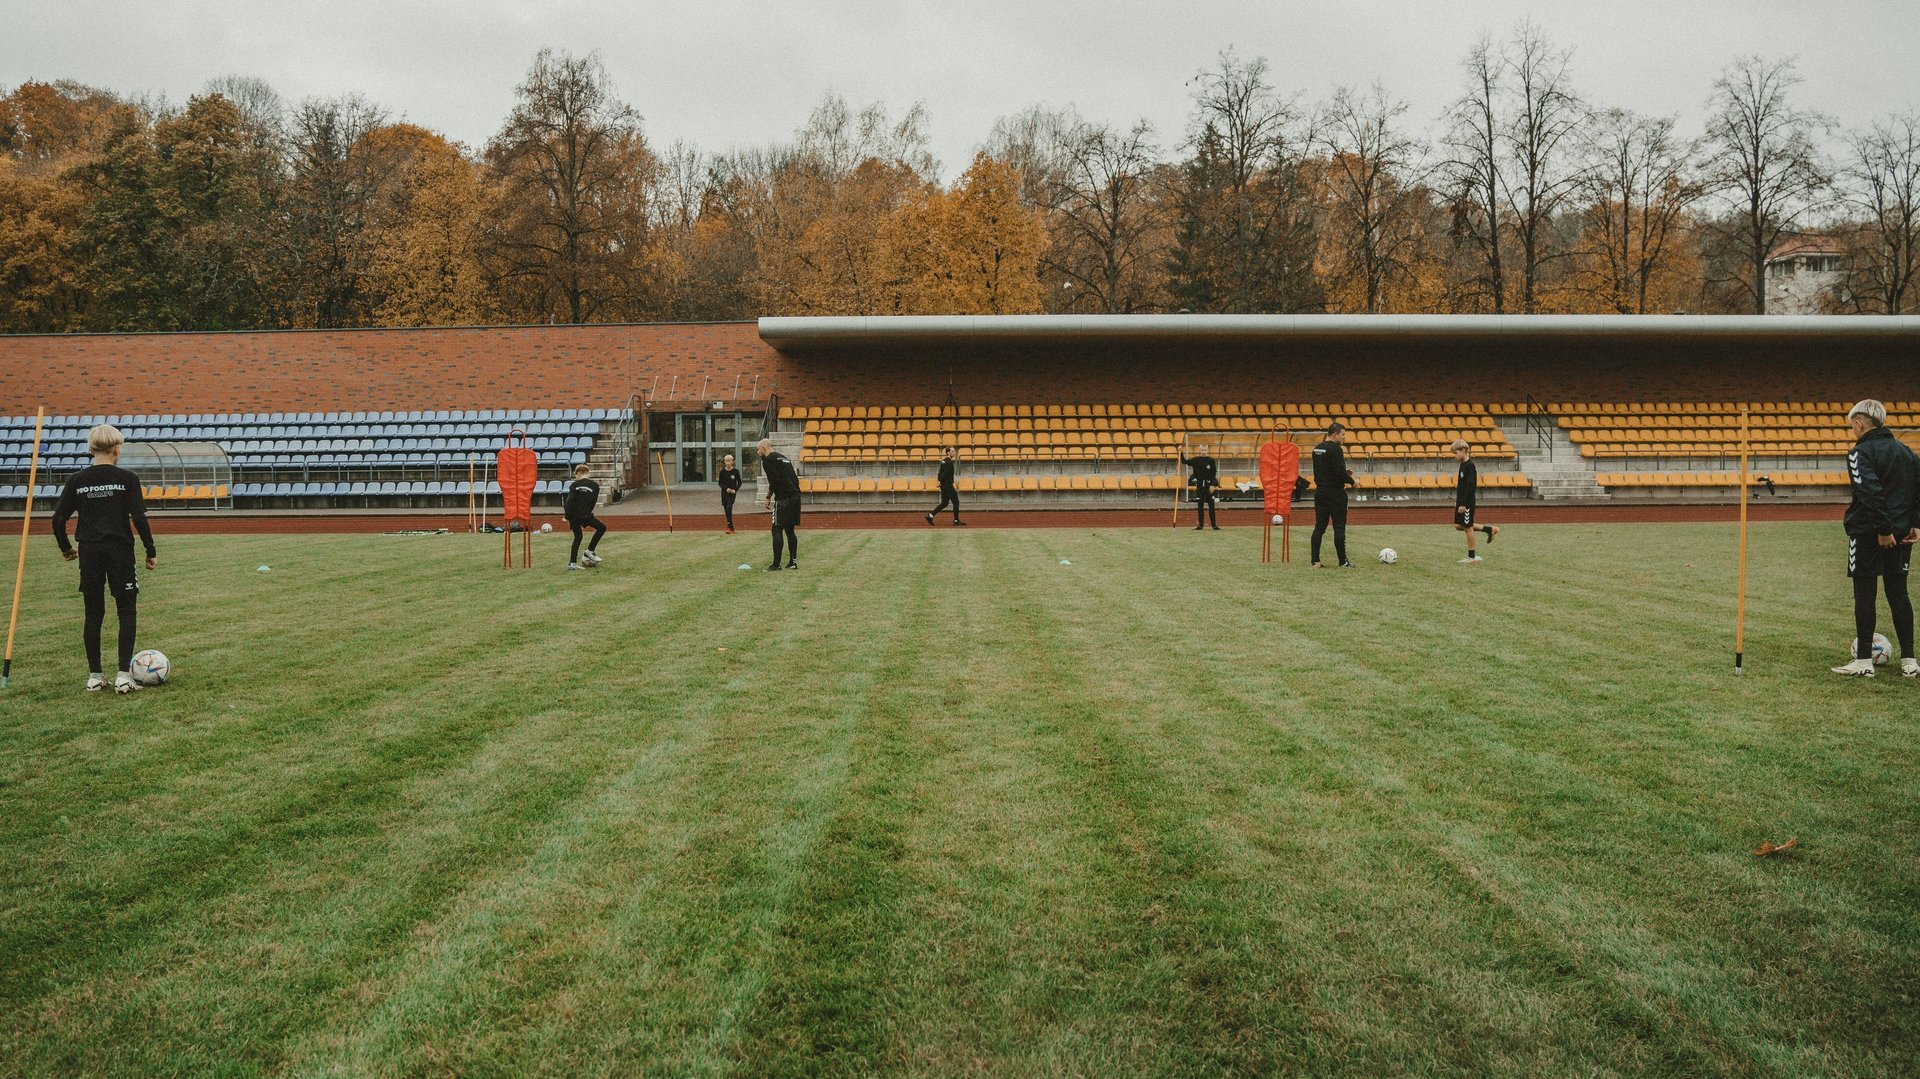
(582, 495)
(108, 501)
(1466, 491)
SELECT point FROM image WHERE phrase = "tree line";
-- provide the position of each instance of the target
(240, 211)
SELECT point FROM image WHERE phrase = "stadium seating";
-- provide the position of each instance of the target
(1128, 432)
(1127, 450)
(332, 459)
(1677, 447)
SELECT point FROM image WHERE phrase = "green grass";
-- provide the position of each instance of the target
(938, 804)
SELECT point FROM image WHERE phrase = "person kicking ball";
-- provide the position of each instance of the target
(582, 496)
(1465, 489)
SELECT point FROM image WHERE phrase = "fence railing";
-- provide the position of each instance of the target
(1540, 425)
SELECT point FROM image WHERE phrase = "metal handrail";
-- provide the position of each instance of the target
(1539, 425)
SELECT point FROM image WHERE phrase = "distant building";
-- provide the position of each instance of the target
(1804, 275)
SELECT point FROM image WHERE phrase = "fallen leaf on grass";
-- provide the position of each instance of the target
(1768, 848)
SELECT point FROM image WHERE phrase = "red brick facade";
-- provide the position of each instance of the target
(562, 366)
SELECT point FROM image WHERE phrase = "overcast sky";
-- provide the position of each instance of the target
(733, 73)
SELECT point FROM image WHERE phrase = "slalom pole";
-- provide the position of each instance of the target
(1740, 597)
(26, 525)
(665, 487)
(1176, 482)
(473, 524)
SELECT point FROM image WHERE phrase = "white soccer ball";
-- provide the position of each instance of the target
(1279, 520)
(548, 527)
(1389, 555)
(1882, 650)
(150, 668)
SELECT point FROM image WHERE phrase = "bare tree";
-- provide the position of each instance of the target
(1105, 220)
(1763, 162)
(1542, 141)
(1372, 198)
(1640, 184)
(1246, 235)
(837, 140)
(1882, 185)
(1472, 169)
(577, 177)
(1038, 141)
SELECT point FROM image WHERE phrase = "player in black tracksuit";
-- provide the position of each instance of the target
(1883, 524)
(1331, 478)
(1466, 490)
(949, 493)
(582, 495)
(729, 487)
(783, 498)
(107, 499)
(1204, 479)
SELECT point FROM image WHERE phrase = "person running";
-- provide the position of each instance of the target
(1883, 524)
(582, 495)
(729, 487)
(949, 493)
(783, 498)
(107, 499)
(1465, 488)
(1205, 478)
(1331, 478)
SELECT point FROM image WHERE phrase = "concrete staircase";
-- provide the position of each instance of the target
(1556, 468)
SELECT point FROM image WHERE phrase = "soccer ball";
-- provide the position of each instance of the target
(150, 668)
(1279, 520)
(548, 527)
(1882, 650)
(1389, 555)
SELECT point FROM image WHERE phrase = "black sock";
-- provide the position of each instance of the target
(1864, 604)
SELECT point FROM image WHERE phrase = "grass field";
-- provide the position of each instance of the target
(939, 804)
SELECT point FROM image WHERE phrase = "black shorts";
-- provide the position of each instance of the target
(786, 511)
(107, 565)
(1866, 558)
(1463, 516)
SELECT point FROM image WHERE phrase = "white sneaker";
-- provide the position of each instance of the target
(590, 558)
(124, 683)
(96, 682)
(572, 566)
(1859, 668)
(1910, 667)
(1471, 560)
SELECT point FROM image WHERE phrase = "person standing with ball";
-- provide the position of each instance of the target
(108, 501)
(1883, 524)
(1331, 478)
(783, 498)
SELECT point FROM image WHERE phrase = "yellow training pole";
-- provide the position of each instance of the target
(1740, 599)
(26, 525)
(665, 487)
(1176, 484)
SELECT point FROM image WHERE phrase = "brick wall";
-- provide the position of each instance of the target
(566, 366)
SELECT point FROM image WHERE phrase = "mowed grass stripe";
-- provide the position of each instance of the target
(471, 710)
(1148, 607)
(1162, 811)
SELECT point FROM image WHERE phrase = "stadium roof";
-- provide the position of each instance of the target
(802, 333)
